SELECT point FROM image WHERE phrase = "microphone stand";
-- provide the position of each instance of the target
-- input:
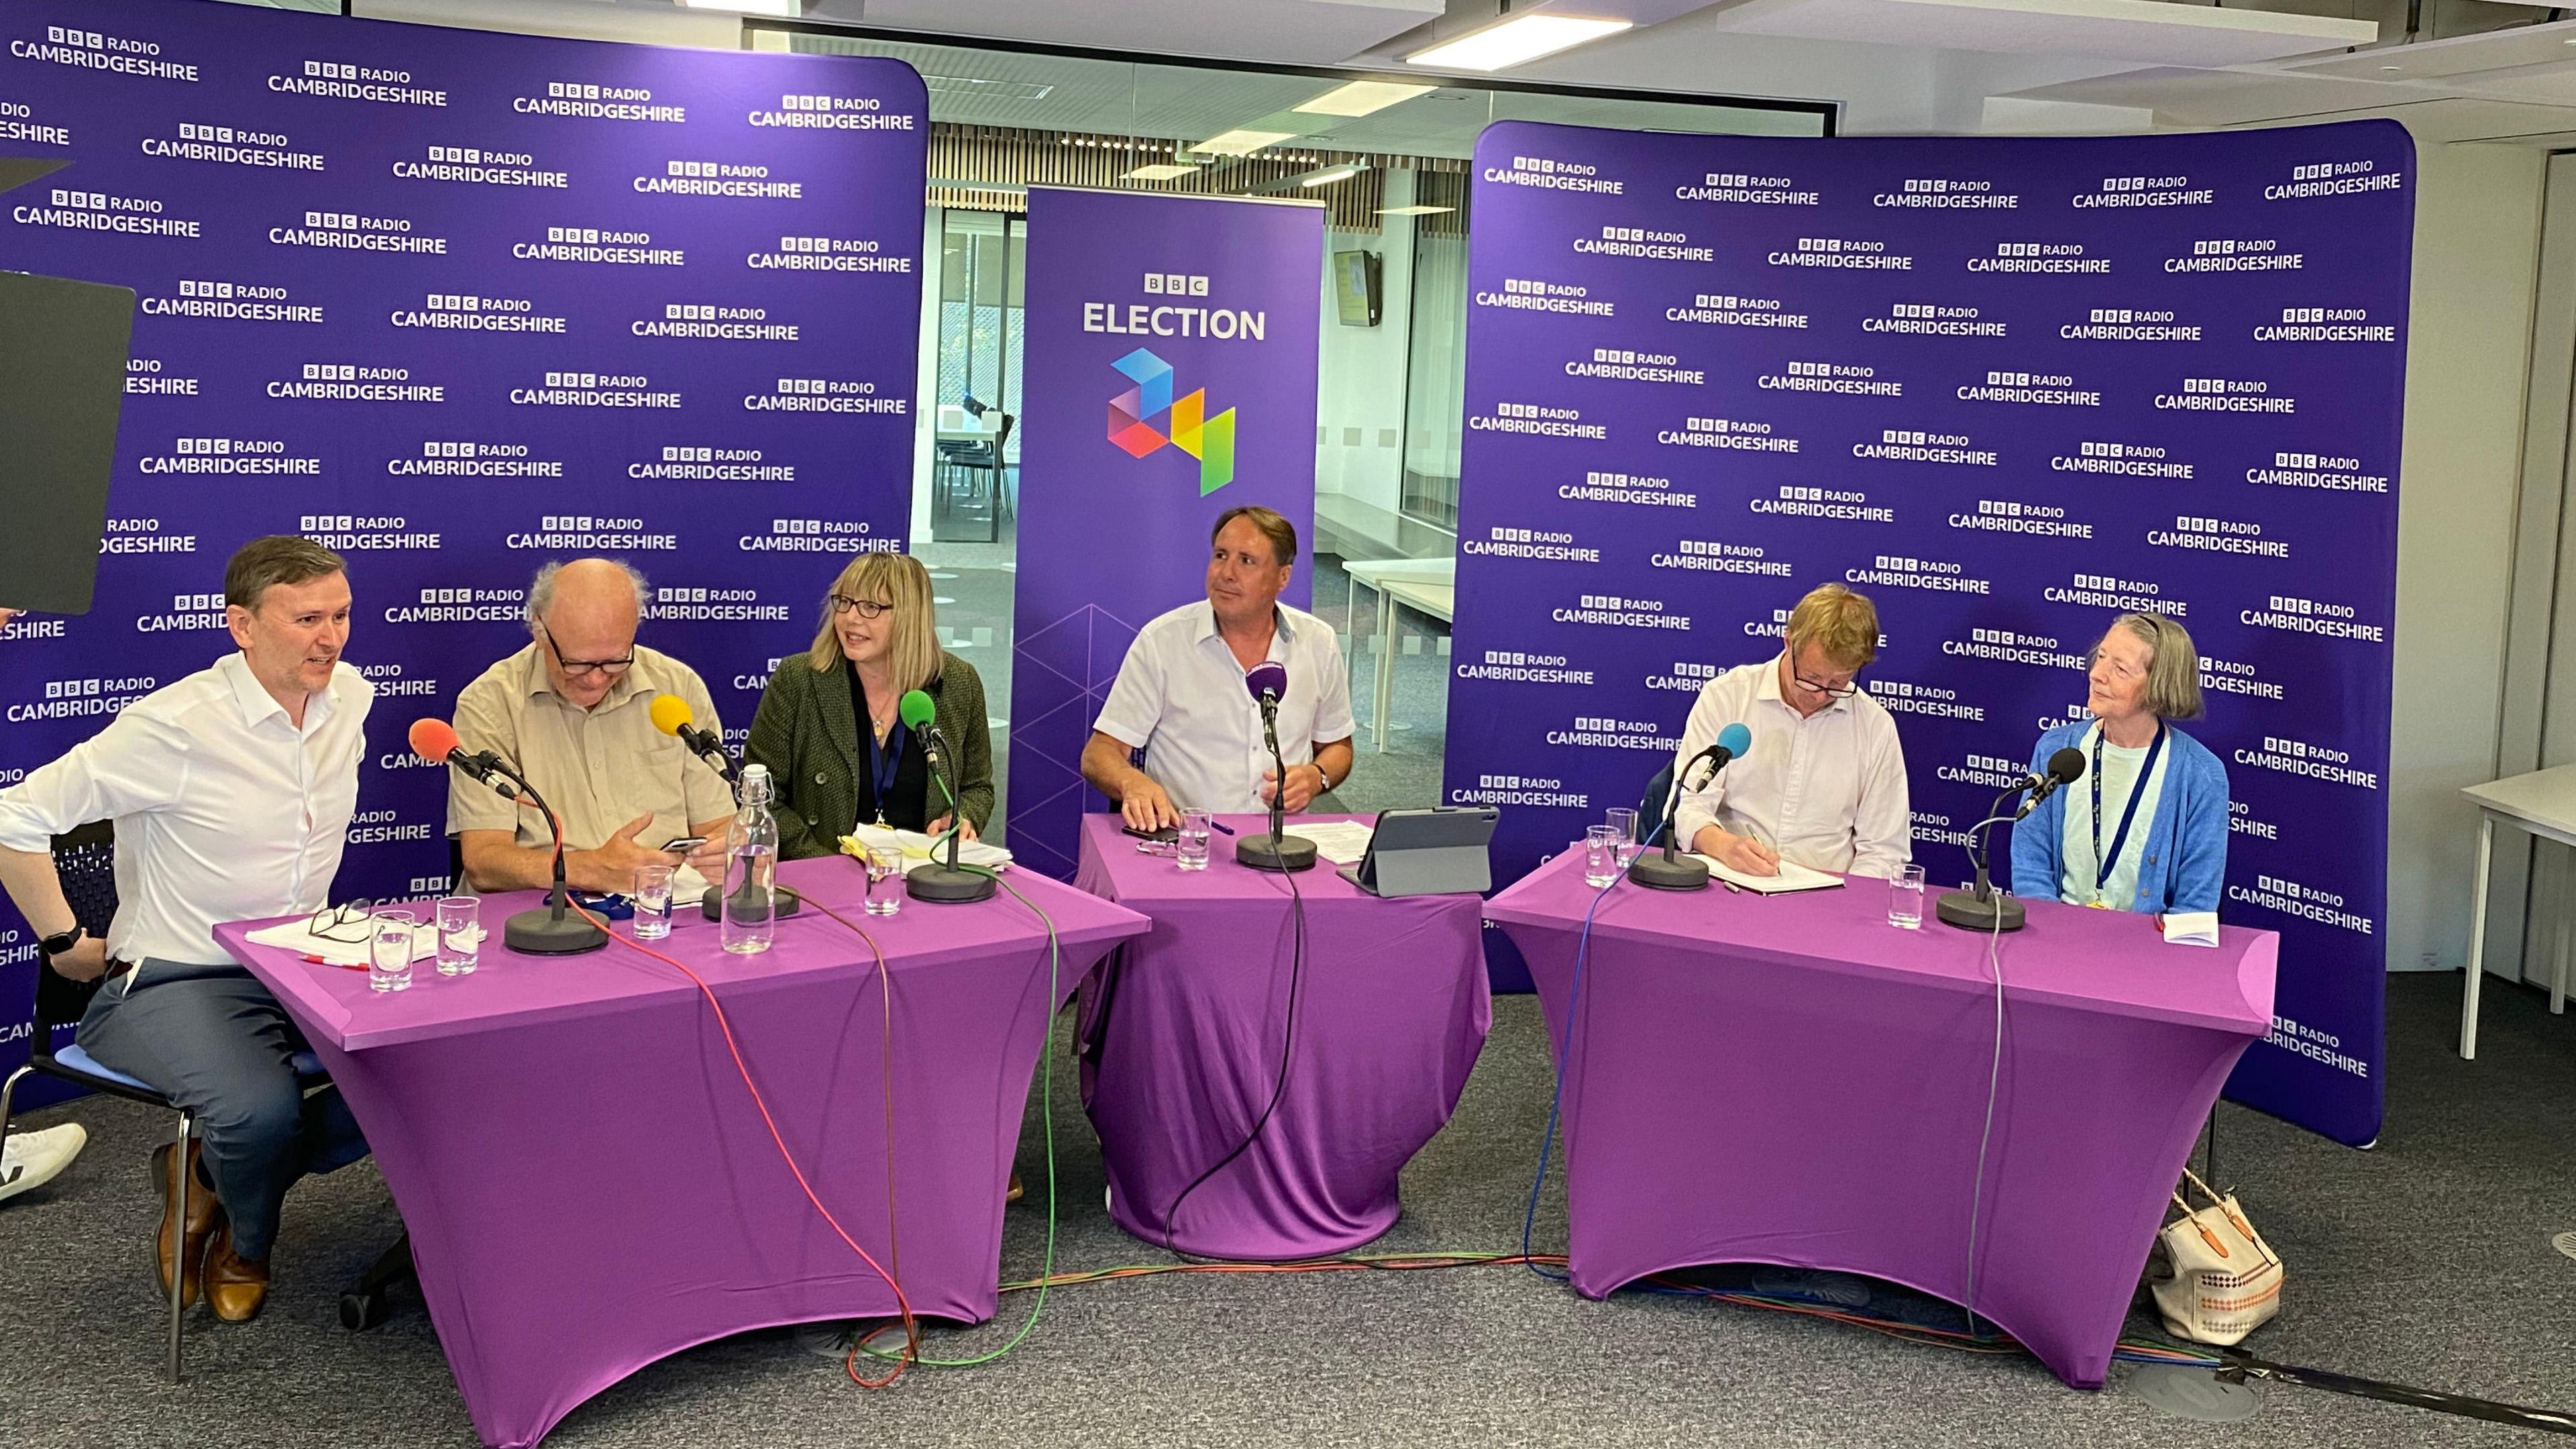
(1979, 908)
(1277, 851)
(948, 884)
(1672, 871)
(553, 929)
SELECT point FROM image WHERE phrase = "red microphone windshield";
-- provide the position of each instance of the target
(434, 740)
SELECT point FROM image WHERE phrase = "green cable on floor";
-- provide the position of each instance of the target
(1046, 1098)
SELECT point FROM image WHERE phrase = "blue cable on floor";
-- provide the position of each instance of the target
(1565, 1064)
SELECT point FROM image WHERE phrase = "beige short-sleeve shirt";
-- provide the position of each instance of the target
(598, 768)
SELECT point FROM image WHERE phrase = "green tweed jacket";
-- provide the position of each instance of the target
(807, 735)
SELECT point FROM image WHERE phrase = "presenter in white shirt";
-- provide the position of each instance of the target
(232, 791)
(1823, 785)
(1180, 695)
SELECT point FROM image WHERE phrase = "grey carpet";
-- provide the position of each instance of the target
(2425, 1260)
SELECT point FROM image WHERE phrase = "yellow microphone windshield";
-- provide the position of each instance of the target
(669, 713)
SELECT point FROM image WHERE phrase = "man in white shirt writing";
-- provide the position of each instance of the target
(232, 791)
(1823, 784)
(1180, 695)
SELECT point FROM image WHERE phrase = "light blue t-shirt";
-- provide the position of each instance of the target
(2119, 775)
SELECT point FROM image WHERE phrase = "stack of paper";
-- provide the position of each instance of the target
(1343, 842)
(916, 848)
(294, 936)
(1792, 877)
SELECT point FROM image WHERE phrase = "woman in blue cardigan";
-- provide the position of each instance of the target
(2145, 829)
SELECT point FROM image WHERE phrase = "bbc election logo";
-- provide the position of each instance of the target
(1132, 414)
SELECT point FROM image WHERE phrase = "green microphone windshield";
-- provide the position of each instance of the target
(915, 709)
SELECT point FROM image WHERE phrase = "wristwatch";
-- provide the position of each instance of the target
(59, 942)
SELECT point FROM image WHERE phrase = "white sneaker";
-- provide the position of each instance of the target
(33, 1159)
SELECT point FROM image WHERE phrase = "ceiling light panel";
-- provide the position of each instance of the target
(1241, 142)
(1362, 98)
(1517, 41)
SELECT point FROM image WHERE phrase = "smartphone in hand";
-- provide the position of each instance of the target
(1164, 835)
(684, 844)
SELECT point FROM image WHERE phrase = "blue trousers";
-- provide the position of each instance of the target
(216, 1042)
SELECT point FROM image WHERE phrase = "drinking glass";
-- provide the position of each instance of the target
(885, 880)
(1905, 898)
(460, 935)
(1193, 842)
(389, 951)
(651, 892)
(1600, 857)
(1623, 824)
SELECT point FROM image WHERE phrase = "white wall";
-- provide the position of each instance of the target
(2477, 239)
(1359, 397)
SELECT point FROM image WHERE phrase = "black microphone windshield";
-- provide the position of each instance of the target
(2066, 766)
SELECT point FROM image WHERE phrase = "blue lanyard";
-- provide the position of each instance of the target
(2137, 791)
(884, 764)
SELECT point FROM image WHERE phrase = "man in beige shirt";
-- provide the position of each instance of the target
(574, 710)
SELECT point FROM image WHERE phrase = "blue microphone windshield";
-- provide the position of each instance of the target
(1736, 739)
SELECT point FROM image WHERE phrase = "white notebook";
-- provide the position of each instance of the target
(1792, 877)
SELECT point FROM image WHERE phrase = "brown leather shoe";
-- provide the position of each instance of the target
(235, 1286)
(203, 1214)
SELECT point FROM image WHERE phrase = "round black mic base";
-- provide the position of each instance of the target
(786, 901)
(1681, 873)
(1281, 853)
(949, 887)
(540, 932)
(1972, 912)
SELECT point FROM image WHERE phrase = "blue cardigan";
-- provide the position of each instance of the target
(2185, 865)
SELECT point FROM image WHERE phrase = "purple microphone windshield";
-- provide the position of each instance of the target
(1269, 677)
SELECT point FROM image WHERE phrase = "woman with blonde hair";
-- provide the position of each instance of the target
(2145, 827)
(830, 726)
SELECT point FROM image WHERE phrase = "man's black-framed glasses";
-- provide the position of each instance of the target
(610, 667)
(1829, 691)
(864, 608)
(350, 923)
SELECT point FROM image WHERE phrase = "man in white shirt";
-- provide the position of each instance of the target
(1180, 695)
(1823, 785)
(232, 791)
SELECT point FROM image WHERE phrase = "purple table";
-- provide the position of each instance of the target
(1185, 1027)
(587, 1183)
(1787, 1079)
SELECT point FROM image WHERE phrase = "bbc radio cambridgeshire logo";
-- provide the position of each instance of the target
(1134, 413)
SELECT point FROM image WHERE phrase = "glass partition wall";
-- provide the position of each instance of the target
(1390, 161)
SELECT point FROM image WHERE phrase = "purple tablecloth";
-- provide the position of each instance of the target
(1787, 1079)
(587, 1183)
(1186, 1026)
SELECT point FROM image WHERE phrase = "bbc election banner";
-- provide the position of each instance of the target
(455, 304)
(2009, 389)
(1170, 375)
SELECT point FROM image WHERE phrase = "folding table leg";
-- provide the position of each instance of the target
(2477, 940)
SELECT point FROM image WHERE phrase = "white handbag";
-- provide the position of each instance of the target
(2226, 1280)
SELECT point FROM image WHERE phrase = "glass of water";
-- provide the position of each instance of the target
(460, 935)
(1600, 857)
(885, 880)
(1623, 824)
(1905, 898)
(1193, 842)
(650, 890)
(389, 950)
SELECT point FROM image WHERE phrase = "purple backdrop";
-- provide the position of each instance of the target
(1170, 376)
(456, 303)
(2007, 388)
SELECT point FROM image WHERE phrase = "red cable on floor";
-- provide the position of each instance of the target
(903, 1304)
